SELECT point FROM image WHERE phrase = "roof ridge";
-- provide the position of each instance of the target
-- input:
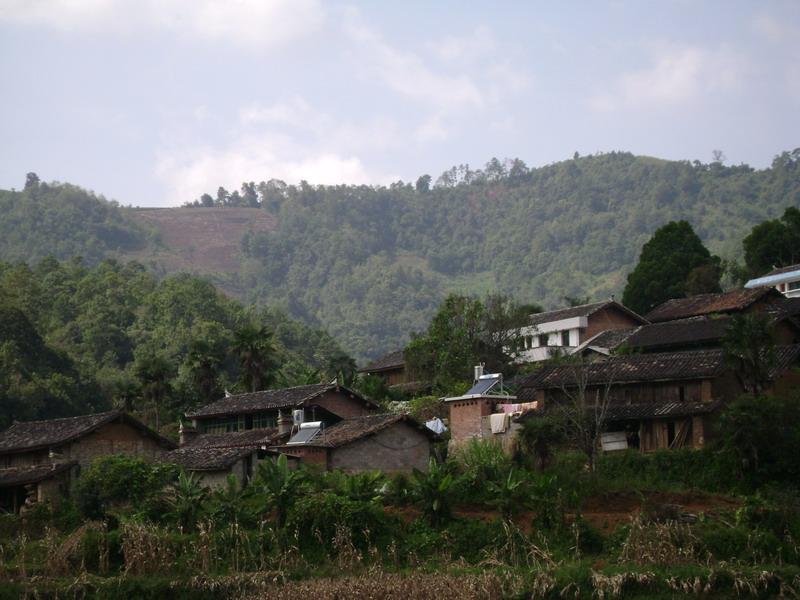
(73, 418)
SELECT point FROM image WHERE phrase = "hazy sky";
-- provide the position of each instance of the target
(152, 102)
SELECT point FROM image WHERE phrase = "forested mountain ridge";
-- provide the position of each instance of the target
(371, 264)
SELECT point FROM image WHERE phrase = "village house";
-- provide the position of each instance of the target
(212, 457)
(564, 330)
(323, 424)
(485, 411)
(278, 409)
(391, 368)
(387, 442)
(39, 459)
(734, 302)
(786, 280)
(693, 333)
(655, 401)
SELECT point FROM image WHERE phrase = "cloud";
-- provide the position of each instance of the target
(244, 23)
(677, 76)
(288, 140)
(408, 74)
(188, 175)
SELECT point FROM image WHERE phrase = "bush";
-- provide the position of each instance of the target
(119, 480)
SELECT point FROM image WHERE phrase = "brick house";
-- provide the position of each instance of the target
(658, 400)
(566, 329)
(39, 459)
(386, 442)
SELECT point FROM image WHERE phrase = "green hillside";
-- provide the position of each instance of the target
(371, 264)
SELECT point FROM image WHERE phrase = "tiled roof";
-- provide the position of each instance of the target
(585, 310)
(693, 331)
(706, 304)
(607, 339)
(652, 410)
(252, 438)
(204, 458)
(393, 360)
(266, 400)
(31, 435)
(25, 475)
(662, 366)
(350, 430)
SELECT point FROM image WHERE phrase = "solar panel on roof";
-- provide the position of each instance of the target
(483, 385)
(305, 435)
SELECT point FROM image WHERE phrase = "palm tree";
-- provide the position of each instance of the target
(154, 373)
(253, 347)
(204, 360)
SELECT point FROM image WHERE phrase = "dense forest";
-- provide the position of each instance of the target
(372, 264)
(349, 256)
(75, 339)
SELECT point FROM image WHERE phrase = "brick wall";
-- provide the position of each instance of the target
(112, 438)
(607, 319)
(465, 417)
(400, 447)
(309, 455)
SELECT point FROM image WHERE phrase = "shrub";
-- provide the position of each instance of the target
(119, 480)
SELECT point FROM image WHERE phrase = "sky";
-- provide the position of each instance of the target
(153, 102)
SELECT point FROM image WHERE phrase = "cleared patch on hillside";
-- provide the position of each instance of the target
(201, 240)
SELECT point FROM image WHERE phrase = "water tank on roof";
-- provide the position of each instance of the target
(298, 416)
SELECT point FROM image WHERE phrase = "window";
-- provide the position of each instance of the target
(224, 425)
(264, 421)
(543, 341)
(793, 285)
(565, 338)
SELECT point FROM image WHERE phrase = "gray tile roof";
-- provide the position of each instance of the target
(267, 400)
(661, 366)
(393, 360)
(706, 304)
(203, 458)
(32, 435)
(24, 475)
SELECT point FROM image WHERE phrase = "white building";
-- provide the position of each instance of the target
(786, 280)
(565, 329)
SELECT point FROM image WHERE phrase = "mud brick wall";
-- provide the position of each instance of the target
(400, 447)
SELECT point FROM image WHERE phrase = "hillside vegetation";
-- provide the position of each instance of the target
(371, 264)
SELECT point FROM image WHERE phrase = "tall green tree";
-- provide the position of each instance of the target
(749, 347)
(774, 243)
(253, 347)
(154, 373)
(204, 361)
(669, 262)
(464, 332)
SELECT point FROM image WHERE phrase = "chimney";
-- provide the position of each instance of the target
(284, 423)
(187, 433)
